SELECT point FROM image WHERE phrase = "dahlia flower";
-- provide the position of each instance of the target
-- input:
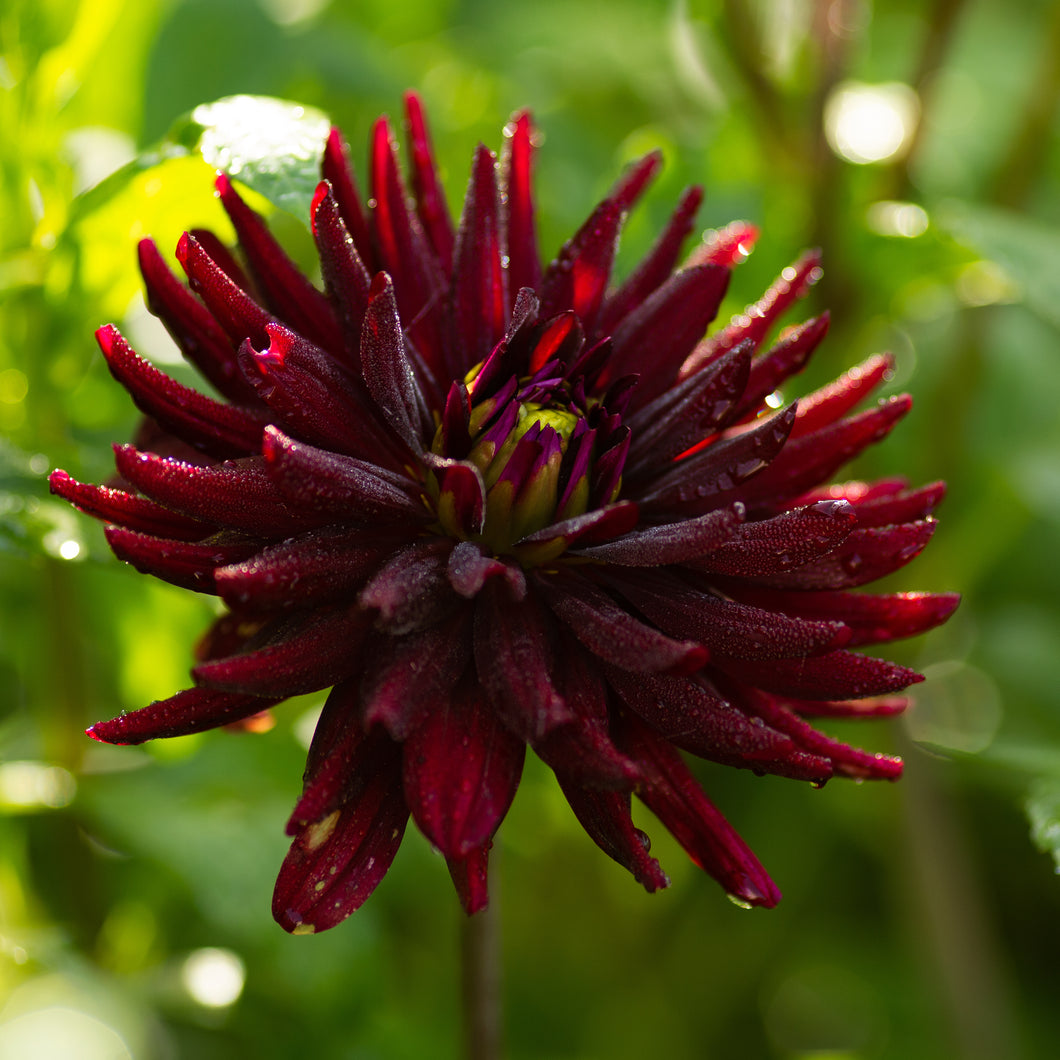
(493, 504)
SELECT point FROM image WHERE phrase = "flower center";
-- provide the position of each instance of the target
(533, 447)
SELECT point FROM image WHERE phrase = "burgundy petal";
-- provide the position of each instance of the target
(287, 291)
(863, 557)
(470, 878)
(656, 337)
(345, 276)
(480, 295)
(200, 337)
(700, 721)
(411, 591)
(406, 676)
(238, 495)
(337, 485)
(187, 564)
(335, 168)
(127, 509)
(193, 710)
(334, 864)
(469, 568)
(524, 263)
(837, 675)
(700, 482)
(220, 430)
(612, 633)
(605, 816)
(814, 458)
(388, 371)
(873, 618)
(430, 198)
(671, 542)
(670, 791)
(513, 660)
(786, 541)
(656, 266)
(779, 363)
(231, 306)
(725, 626)
(322, 566)
(302, 654)
(578, 277)
(461, 770)
(755, 323)
(827, 405)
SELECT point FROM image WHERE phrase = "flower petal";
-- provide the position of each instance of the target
(461, 771)
(303, 653)
(289, 294)
(430, 197)
(517, 206)
(611, 633)
(670, 791)
(190, 565)
(411, 591)
(605, 816)
(193, 710)
(334, 864)
(405, 676)
(469, 875)
(513, 661)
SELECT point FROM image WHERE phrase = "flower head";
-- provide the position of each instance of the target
(494, 505)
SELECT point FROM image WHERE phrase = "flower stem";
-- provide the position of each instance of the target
(481, 981)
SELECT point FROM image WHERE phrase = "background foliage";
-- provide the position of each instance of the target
(921, 919)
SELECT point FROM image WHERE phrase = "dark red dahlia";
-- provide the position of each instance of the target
(494, 504)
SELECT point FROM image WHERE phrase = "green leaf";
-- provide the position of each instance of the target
(270, 145)
(1043, 809)
(1027, 250)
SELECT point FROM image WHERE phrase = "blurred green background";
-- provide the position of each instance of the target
(916, 143)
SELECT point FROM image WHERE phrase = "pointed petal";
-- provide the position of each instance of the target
(578, 277)
(479, 292)
(335, 485)
(670, 791)
(670, 543)
(336, 169)
(335, 864)
(411, 591)
(755, 323)
(656, 267)
(699, 483)
(863, 557)
(461, 771)
(405, 676)
(827, 405)
(698, 720)
(814, 458)
(524, 263)
(837, 675)
(201, 339)
(656, 337)
(873, 618)
(783, 542)
(388, 370)
(237, 495)
(218, 429)
(469, 568)
(193, 710)
(513, 660)
(187, 564)
(726, 626)
(303, 653)
(346, 278)
(430, 197)
(322, 566)
(288, 292)
(231, 306)
(469, 877)
(611, 632)
(127, 509)
(605, 816)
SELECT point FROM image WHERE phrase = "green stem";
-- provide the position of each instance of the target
(481, 981)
